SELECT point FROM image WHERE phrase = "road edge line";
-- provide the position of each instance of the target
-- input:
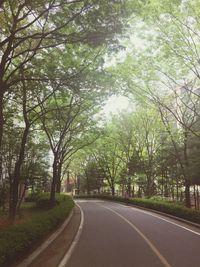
(67, 256)
(190, 223)
(151, 212)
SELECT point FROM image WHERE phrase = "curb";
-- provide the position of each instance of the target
(65, 259)
(167, 215)
(26, 262)
(161, 213)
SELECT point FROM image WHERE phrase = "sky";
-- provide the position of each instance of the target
(115, 104)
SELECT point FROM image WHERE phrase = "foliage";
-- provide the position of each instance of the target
(51, 52)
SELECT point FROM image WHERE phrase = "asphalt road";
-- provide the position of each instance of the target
(115, 235)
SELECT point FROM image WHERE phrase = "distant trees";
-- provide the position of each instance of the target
(144, 156)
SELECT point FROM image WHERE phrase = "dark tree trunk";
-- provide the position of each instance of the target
(187, 181)
(78, 185)
(53, 183)
(172, 192)
(88, 185)
(129, 187)
(1, 126)
(149, 188)
(58, 178)
(58, 185)
(197, 197)
(166, 190)
(1, 2)
(187, 193)
(16, 175)
(113, 190)
(133, 191)
(22, 197)
(177, 189)
(67, 189)
(139, 193)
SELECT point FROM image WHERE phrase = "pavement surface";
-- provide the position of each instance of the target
(116, 235)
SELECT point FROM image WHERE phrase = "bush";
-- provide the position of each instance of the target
(43, 201)
(19, 239)
(158, 205)
(32, 197)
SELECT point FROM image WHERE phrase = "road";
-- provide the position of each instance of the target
(116, 235)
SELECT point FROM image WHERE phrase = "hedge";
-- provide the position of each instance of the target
(158, 205)
(19, 239)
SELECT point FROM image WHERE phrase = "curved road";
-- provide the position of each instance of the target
(115, 235)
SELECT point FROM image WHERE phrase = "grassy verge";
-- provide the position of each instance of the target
(27, 211)
(18, 240)
(158, 205)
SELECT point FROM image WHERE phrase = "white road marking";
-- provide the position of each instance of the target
(153, 248)
(89, 200)
(67, 256)
(163, 219)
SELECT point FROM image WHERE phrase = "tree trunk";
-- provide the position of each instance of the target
(139, 193)
(187, 193)
(58, 178)
(78, 184)
(54, 182)
(68, 187)
(172, 192)
(133, 191)
(177, 189)
(16, 175)
(197, 197)
(149, 187)
(1, 114)
(187, 181)
(129, 187)
(21, 197)
(87, 184)
(1, 126)
(58, 186)
(166, 191)
(113, 190)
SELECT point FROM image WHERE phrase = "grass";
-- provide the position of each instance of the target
(27, 211)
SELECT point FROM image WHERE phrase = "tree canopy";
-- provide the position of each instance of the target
(59, 62)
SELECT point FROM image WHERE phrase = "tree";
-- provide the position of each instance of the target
(29, 32)
(29, 28)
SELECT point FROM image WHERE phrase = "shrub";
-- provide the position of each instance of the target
(19, 239)
(43, 201)
(158, 205)
(32, 197)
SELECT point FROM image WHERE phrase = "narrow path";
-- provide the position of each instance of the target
(115, 235)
